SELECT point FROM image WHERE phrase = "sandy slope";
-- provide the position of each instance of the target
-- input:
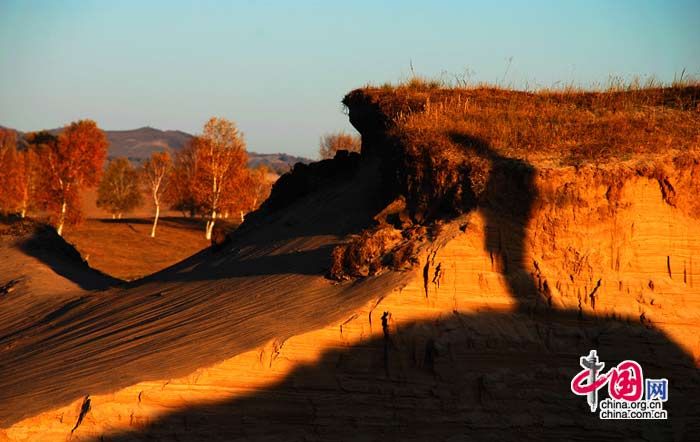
(210, 307)
(456, 349)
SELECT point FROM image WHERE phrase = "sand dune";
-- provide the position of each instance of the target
(210, 307)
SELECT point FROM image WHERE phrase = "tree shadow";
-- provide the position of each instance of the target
(143, 221)
(171, 221)
(45, 245)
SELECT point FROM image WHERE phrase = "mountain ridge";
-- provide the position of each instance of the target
(138, 144)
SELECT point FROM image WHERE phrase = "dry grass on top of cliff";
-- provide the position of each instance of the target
(569, 125)
(442, 146)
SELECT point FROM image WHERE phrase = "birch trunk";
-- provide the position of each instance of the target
(61, 219)
(210, 225)
(155, 221)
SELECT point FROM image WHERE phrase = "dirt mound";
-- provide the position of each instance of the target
(305, 179)
(44, 240)
(439, 146)
(16, 227)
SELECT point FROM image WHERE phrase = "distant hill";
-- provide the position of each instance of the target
(139, 144)
(277, 162)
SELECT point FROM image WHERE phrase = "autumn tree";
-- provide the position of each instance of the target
(70, 162)
(12, 163)
(41, 192)
(254, 189)
(222, 163)
(29, 180)
(156, 172)
(119, 190)
(8, 138)
(181, 192)
(333, 142)
(210, 173)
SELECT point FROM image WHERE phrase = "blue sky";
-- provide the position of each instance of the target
(280, 69)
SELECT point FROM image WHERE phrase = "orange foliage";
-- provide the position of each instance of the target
(70, 162)
(223, 162)
(180, 193)
(254, 189)
(209, 173)
(210, 176)
(13, 171)
(30, 179)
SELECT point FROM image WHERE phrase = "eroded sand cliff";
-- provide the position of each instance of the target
(477, 340)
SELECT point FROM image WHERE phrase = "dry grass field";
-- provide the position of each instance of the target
(570, 124)
(124, 249)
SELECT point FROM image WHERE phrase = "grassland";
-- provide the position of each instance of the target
(124, 249)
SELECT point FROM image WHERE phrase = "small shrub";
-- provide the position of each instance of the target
(365, 255)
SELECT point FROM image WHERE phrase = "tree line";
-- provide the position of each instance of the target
(208, 178)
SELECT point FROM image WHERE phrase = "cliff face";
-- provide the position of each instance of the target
(514, 281)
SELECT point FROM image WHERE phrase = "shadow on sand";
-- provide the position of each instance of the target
(485, 377)
(45, 245)
(488, 376)
(173, 221)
